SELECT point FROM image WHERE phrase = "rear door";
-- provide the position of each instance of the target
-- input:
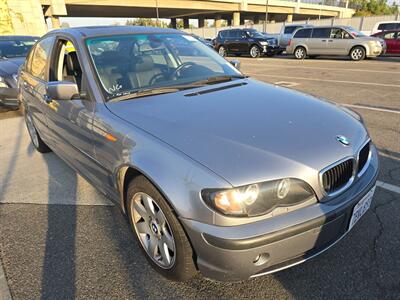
(338, 42)
(235, 40)
(33, 83)
(318, 42)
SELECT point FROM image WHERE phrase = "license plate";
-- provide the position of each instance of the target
(361, 207)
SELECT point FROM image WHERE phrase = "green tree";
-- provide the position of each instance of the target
(146, 22)
(374, 7)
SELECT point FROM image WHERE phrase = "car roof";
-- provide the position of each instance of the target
(93, 31)
(19, 37)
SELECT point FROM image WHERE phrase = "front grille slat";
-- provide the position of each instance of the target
(338, 176)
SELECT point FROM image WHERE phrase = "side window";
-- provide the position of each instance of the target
(303, 33)
(321, 33)
(290, 29)
(41, 54)
(338, 33)
(28, 62)
(389, 36)
(66, 66)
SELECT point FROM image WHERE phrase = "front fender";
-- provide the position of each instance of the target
(179, 178)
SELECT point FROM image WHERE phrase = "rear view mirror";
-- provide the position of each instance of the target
(235, 63)
(62, 90)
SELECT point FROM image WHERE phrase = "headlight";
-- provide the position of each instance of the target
(264, 43)
(260, 198)
(3, 84)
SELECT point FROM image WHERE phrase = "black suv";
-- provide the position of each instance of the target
(245, 41)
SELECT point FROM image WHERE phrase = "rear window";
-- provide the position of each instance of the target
(303, 33)
(388, 26)
(321, 33)
(290, 29)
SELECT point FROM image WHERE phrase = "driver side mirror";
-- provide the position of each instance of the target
(235, 63)
(62, 90)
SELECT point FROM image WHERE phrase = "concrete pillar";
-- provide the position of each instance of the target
(256, 19)
(186, 23)
(236, 18)
(55, 22)
(217, 21)
(201, 22)
(173, 22)
(289, 18)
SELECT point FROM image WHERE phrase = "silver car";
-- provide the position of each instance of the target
(287, 33)
(216, 172)
(334, 40)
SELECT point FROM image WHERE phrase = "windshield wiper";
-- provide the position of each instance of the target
(174, 88)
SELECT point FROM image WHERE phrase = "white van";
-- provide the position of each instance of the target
(385, 25)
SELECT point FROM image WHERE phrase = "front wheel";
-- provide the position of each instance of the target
(357, 53)
(300, 53)
(222, 51)
(159, 232)
(255, 51)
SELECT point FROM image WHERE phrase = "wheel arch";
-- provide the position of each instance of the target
(362, 46)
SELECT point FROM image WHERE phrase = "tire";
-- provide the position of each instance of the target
(255, 51)
(270, 54)
(222, 51)
(357, 53)
(36, 140)
(300, 53)
(156, 222)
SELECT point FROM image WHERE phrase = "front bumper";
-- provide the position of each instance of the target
(229, 253)
(9, 97)
(271, 49)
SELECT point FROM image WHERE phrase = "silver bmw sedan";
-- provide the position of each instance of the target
(217, 173)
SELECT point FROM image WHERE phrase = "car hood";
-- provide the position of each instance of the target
(248, 133)
(9, 66)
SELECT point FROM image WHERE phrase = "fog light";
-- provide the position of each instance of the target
(261, 259)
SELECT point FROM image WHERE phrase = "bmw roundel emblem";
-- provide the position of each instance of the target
(343, 140)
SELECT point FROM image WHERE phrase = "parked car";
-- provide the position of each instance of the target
(244, 41)
(287, 33)
(215, 171)
(13, 50)
(334, 40)
(385, 25)
(392, 40)
(207, 42)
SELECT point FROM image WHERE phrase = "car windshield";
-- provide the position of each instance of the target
(354, 32)
(132, 64)
(255, 34)
(15, 47)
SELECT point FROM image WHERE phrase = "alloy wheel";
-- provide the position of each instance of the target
(254, 52)
(357, 54)
(32, 130)
(153, 230)
(299, 53)
(222, 51)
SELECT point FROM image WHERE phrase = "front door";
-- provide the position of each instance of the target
(339, 42)
(71, 121)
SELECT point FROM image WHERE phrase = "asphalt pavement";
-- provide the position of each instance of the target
(61, 239)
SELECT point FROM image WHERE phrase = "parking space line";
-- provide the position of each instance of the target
(372, 108)
(4, 289)
(388, 186)
(326, 80)
(334, 69)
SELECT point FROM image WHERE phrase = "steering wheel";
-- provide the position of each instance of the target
(156, 77)
(181, 67)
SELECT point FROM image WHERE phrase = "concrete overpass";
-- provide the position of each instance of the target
(235, 12)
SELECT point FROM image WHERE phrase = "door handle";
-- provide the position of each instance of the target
(323, 41)
(330, 41)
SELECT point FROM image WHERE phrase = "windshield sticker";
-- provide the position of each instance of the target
(115, 88)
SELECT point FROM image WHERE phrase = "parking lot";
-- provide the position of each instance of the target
(60, 239)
